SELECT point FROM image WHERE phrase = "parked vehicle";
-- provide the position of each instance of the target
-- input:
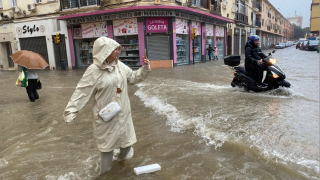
(303, 45)
(312, 45)
(298, 45)
(280, 45)
(275, 77)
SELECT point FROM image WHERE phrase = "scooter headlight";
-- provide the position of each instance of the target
(274, 75)
(273, 60)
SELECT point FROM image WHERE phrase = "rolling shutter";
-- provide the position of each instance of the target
(236, 44)
(243, 44)
(158, 47)
(35, 44)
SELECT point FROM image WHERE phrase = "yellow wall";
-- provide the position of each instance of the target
(314, 22)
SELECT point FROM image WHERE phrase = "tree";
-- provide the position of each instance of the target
(298, 32)
(306, 30)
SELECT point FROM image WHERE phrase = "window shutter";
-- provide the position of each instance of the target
(158, 47)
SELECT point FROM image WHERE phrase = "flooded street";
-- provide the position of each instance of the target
(188, 119)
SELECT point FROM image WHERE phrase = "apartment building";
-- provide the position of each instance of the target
(314, 20)
(239, 31)
(31, 25)
(254, 17)
(297, 20)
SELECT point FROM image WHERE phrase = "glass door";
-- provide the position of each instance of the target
(197, 47)
(208, 42)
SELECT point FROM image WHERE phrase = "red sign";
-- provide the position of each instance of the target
(157, 24)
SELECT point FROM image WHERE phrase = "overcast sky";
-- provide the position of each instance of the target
(288, 7)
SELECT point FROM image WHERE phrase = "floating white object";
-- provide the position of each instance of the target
(147, 169)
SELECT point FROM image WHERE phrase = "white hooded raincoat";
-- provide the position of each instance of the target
(101, 81)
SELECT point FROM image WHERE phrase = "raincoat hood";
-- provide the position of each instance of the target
(102, 48)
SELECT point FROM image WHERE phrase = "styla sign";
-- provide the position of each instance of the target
(156, 24)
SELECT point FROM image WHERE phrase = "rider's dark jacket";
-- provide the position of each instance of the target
(252, 55)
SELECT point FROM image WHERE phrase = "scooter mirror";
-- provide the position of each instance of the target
(273, 51)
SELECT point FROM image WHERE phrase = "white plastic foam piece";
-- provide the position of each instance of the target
(147, 169)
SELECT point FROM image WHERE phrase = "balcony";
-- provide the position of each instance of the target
(215, 7)
(70, 4)
(257, 23)
(241, 18)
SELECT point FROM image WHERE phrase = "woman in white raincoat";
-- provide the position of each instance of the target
(102, 80)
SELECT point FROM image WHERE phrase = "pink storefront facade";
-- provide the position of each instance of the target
(164, 32)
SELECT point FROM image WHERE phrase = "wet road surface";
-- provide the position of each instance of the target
(188, 119)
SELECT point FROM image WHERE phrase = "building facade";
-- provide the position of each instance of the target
(161, 29)
(254, 17)
(297, 20)
(314, 20)
(31, 25)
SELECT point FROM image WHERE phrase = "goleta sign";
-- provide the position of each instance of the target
(157, 24)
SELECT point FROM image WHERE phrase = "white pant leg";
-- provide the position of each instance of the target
(105, 161)
(123, 152)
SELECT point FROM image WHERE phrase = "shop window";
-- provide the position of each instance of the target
(197, 48)
(182, 44)
(1, 4)
(130, 50)
(83, 48)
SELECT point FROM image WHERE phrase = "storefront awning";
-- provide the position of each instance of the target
(177, 9)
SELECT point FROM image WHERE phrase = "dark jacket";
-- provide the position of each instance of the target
(252, 55)
(210, 49)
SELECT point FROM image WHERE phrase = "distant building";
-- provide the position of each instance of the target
(314, 20)
(296, 20)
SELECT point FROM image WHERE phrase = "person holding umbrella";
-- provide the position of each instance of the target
(30, 61)
(32, 77)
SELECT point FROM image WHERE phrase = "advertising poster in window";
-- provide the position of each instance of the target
(182, 26)
(197, 25)
(209, 30)
(125, 27)
(87, 30)
(157, 24)
(100, 29)
(219, 31)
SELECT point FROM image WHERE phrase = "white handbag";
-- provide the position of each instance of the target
(108, 112)
(113, 108)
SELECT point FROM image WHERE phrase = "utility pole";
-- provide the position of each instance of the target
(193, 35)
(57, 40)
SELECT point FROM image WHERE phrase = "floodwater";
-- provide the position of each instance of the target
(188, 119)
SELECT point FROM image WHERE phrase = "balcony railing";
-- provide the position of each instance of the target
(197, 3)
(215, 7)
(257, 23)
(241, 17)
(70, 4)
(257, 5)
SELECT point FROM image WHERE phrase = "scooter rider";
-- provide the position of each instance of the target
(253, 60)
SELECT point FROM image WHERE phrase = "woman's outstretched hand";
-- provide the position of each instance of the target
(145, 61)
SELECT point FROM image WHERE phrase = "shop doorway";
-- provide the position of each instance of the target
(9, 52)
(158, 47)
(229, 44)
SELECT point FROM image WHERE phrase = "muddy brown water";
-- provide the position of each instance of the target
(188, 119)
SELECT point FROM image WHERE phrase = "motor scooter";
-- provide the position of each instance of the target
(273, 77)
